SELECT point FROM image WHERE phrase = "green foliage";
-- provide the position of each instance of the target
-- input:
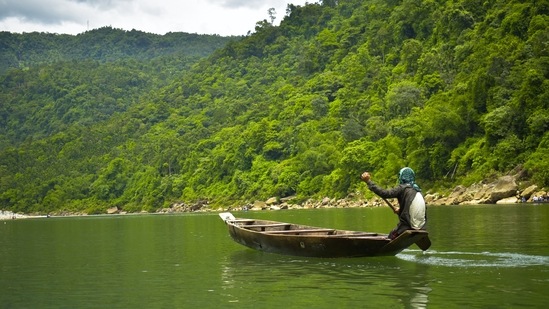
(538, 163)
(458, 90)
(402, 97)
(105, 45)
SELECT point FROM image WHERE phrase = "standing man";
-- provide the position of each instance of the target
(411, 211)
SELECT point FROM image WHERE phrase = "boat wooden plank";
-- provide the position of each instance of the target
(371, 237)
(242, 221)
(406, 239)
(355, 235)
(304, 231)
(266, 225)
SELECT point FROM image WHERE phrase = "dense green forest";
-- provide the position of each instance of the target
(455, 89)
(103, 45)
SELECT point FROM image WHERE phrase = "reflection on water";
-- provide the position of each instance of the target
(377, 282)
(473, 259)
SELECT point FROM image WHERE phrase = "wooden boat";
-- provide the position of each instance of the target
(302, 240)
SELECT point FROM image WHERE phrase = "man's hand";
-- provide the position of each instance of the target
(365, 176)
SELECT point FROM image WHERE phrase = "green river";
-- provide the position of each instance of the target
(485, 256)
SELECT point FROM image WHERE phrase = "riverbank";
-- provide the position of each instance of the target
(8, 215)
(505, 190)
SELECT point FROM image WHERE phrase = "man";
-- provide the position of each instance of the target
(411, 211)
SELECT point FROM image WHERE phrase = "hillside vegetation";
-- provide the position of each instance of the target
(457, 90)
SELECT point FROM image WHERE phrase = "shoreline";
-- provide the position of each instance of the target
(503, 190)
(6, 215)
(9, 215)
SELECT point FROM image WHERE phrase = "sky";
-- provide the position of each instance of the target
(222, 17)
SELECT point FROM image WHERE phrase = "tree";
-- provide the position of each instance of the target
(402, 97)
(272, 15)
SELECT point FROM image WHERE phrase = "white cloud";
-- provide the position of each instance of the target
(254, 4)
(223, 17)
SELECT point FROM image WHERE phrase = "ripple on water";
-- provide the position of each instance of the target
(473, 259)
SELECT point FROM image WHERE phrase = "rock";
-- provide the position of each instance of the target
(112, 210)
(483, 193)
(505, 187)
(464, 198)
(527, 193)
(308, 204)
(376, 202)
(259, 205)
(430, 198)
(456, 195)
(287, 198)
(284, 206)
(5, 215)
(509, 200)
(196, 207)
(477, 191)
(477, 202)
(471, 202)
(271, 201)
(439, 201)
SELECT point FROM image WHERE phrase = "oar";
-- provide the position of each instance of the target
(423, 243)
(395, 210)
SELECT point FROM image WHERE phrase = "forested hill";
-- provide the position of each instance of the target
(104, 44)
(63, 80)
(458, 90)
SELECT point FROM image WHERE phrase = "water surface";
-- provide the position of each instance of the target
(482, 256)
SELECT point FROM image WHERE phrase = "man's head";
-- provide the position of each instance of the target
(406, 175)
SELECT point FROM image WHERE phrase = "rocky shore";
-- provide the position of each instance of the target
(8, 215)
(504, 190)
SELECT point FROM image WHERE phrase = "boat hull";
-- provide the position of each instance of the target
(299, 240)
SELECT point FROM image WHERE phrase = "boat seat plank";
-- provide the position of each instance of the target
(354, 235)
(300, 231)
(378, 237)
(266, 225)
(242, 220)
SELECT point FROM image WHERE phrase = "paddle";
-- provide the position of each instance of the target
(395, 210)
(424, 243)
